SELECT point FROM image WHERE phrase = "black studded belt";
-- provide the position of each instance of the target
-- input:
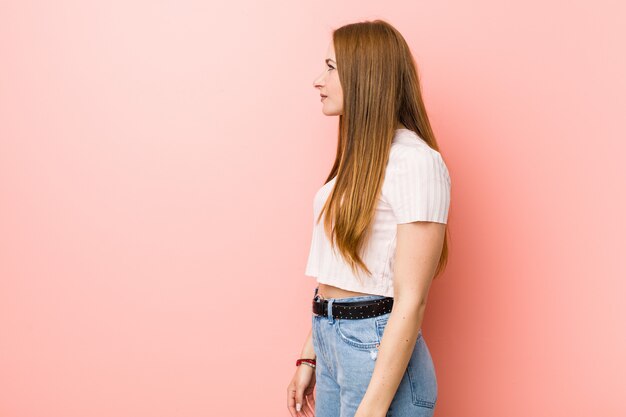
(353, 310)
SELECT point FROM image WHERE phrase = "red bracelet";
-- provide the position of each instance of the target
(310, 362)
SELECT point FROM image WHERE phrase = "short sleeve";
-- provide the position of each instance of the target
(418, 185)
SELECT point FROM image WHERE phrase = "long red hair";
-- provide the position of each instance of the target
(381, 88)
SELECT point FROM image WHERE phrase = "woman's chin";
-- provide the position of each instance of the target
(330, 112)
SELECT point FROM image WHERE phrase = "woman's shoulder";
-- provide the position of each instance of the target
(411, 157)
(412, 149)
(417, 183)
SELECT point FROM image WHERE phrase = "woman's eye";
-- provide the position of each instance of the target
(330, 68)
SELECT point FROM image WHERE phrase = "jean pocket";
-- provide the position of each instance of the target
(422, 377)
(358, 333)
(381, 322)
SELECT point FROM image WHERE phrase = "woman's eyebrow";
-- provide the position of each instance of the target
(328, 59)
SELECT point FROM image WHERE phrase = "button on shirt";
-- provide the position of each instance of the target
(416, 188)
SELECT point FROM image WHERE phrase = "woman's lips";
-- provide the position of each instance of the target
(323, 97)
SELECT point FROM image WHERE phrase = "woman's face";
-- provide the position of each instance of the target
(328, 85)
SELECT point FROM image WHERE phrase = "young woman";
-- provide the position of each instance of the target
(379, 237)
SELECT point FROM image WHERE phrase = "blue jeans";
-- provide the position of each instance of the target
(346, 351)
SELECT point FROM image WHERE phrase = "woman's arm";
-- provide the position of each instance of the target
(308, 351)
(419, 246)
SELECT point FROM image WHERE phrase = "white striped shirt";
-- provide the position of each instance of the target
(416, 188)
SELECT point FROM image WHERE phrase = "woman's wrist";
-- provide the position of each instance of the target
(308, 354)
(308, 351)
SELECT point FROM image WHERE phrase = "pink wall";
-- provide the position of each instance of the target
(157, 166)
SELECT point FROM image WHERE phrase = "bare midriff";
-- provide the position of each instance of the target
(330, 291)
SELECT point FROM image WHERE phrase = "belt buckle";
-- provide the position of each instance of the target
(319, 299)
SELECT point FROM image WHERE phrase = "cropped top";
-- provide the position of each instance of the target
(416, 188)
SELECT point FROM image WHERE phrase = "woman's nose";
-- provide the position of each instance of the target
(318, 81)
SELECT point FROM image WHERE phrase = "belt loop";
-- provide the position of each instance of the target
(331, 319)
